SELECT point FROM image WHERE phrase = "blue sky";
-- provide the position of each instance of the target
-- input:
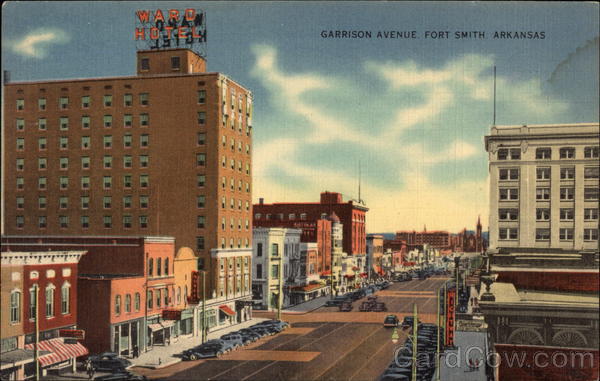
(412, 111)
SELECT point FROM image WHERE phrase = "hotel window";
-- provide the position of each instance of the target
(542, 193)
(145, 64)
(127, 221)
(85, 121)
(159, 266)
(144, 140)
(232, 164)
(509, 173)
(232, 203)
(591, 172)
(107, 220)
(201, 222)
(591, 152)
(543, 173)
(144, 120)
(64, 103)
(107, 202)
(42, 163)
(200, 159)
(20, 183)
(567, 214)
(158, 295)
(42, 222)
(127, 100)
(127, 161)
(223, 202)
(85, 142)
(21, 125)
(65, 295)
(42, 183)
(240, 185)
(201, 117)
(63, 221)
(247, 206)
(144, 99)
(64, 123)
(232, 184)
(85, 222)
(144, 161)
(42, 104)
(247, 169)
(590, 194)
(201, 96)
(20, 144)
(118, 305)
(509, 194)
(64, 182)
(144, 201)
(567, 153)
(20, 222)
(201, 180)
(231, 223)
(567, 173)
(63, 142)
(508, 214)
(50, 300)
(107, 161)
(508, 233)
(232, 144)
(85, 182)
(126, 181)
(542, 234)
(42, 202)
(303, 216)
(200, 201)
(42, 125)
(223, 223)
(107, 120)
(590, 214)
(200, 243)
(107, 182)
(126, 202)
(224, 162)
(85, 101)
(107, 100)
(567, 193)
(175, 63)
(201, 139)
(247, 149)
(149, 298)
(127, 139)
(32, 301)
(144, 181)
(20, 202)
(543, 153)
(85, 202)
(565, 234)
(137, 303)
(590, 234)
(20, 104)
(127, 120)
(128, 303)
(143, 221)
(542, 214)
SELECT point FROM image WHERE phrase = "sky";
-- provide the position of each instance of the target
(412, 113)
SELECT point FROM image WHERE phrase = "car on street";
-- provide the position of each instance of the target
(109, 361)
(336, 302)
(346, 307)
(391, 321)
(408, 322)
(234, 339)
(121, 376)
(379, 307)
(249, 336)
(212, 348)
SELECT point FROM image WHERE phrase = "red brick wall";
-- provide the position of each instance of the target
(94, 314)
(551, 280)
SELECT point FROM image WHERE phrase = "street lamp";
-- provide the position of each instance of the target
(395, 336)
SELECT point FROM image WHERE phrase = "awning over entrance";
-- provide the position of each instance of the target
(59, 351)
(17, 357)
(227, 310)
(167, 323)
(155, 327)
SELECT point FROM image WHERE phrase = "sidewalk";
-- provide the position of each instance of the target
(307, 306)
(162, 356)
(454, 364)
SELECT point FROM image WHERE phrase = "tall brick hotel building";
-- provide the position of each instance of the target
(165, 152)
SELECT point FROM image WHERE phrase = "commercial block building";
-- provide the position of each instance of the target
(544, 188)
(435, 238)
(165, 152)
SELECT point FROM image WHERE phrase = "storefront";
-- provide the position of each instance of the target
(161, 332)
(186, 324)
(13, 362)
(126, 337)
(211, 319)
(226, 315)
(60, 355)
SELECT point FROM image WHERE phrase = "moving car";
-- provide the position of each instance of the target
(408, 322)
(109, 361)
(391, 321)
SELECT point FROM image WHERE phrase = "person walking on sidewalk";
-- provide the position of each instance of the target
(89, 368)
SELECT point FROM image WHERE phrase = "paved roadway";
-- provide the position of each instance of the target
(321, 345)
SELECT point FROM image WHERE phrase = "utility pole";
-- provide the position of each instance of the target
(414, 342)
(37, 334)
(437, 350)
(203, 306)
(280, 294)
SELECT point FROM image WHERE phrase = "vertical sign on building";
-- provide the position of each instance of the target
(194, 291)
(450, 317)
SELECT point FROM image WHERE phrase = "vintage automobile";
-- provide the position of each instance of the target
(391, 321)
(110, 362)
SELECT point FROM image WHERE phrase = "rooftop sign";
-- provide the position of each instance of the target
(172, 28)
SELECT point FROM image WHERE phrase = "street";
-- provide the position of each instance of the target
(320, 345)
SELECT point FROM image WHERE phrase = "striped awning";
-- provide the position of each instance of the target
(228, 311)
(59, 351)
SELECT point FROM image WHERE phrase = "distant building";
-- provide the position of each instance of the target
(375, 255)
(437, 238)
(468, 242)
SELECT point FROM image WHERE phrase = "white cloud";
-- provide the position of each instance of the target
(36, 43)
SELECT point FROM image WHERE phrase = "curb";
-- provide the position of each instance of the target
(159, 366)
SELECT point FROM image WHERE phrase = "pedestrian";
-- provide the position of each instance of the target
(136, 352)
(89, 368)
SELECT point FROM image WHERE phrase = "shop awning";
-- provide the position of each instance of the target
(17, 357)
(307, 289)
(155, 327)
(227, 310)
(59, 351)
(167, 323)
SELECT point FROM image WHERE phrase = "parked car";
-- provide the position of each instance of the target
(234, 339)
(391, 321)
(409, 322)
(379, 307)
(336, 302)
(110, 362)
(263, 330)
(249, 335)
(212, 348)
(121, 376)
(346, 307)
